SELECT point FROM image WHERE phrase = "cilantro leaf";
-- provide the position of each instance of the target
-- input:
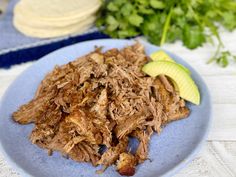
(192, 21)
(157, 4)
(223, 60)
(112, 7)
(135, 19)
(126, 9)
(229, 20)
(193, 36)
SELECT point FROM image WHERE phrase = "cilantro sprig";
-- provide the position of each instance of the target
(194, 22)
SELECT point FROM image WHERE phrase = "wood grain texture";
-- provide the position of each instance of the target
(222, 88)
(224, 123)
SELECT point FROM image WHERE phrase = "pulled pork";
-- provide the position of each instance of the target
(100, 100)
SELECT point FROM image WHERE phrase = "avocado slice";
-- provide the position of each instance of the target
(160, 55)
(188, 90)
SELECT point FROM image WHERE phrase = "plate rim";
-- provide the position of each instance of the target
(168, 173)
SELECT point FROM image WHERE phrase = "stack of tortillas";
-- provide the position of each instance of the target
(53, 18)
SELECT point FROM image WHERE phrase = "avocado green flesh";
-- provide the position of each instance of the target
(186, 86)
(162, 56)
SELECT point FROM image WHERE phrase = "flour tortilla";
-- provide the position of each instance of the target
(57, 10)
(54, 32)
(39, 23)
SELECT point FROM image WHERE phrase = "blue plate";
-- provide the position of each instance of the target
(169, 152)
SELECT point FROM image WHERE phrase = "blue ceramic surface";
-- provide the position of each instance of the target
(169, 152)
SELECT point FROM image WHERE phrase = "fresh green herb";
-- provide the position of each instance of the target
(223, 58)
(162, 21)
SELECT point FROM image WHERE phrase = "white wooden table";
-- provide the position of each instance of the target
(218, 157)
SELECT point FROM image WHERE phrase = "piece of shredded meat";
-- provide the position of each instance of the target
(100, 100)
(126, 164)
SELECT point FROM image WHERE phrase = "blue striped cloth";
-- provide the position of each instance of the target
(16, 48)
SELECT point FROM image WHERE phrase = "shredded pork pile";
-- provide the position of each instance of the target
(89, 108)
